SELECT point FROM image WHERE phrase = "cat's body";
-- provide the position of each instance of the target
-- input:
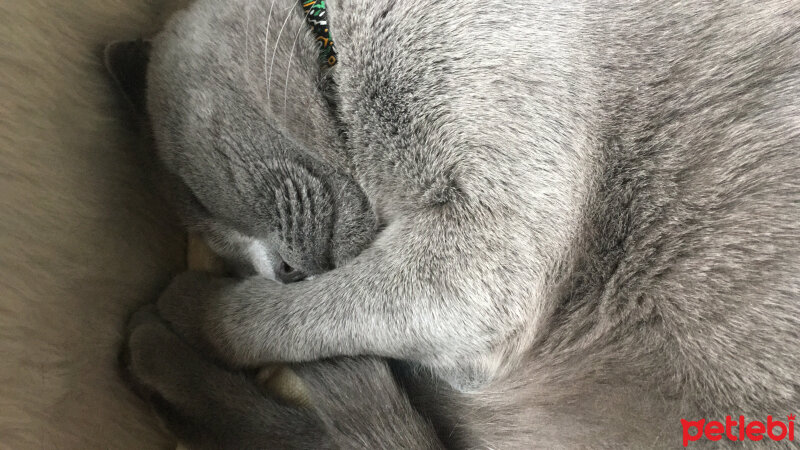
(589, 210)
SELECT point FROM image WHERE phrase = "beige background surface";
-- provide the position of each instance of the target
(82, 236)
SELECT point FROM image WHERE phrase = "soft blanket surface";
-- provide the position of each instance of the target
(83, 237)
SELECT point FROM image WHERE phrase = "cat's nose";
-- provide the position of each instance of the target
(288, 274)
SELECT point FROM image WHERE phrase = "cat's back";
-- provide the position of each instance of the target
(687, 265)
(683, 276)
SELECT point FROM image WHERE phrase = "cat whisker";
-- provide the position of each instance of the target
(274, 52)
(289, 65)
(266, 40)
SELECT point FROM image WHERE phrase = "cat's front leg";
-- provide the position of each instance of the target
(354, 402)
(242, 322)
(207, 406)
(397, 299)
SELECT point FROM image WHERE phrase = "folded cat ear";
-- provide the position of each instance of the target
(126, 61)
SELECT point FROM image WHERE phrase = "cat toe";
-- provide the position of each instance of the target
(145, 314)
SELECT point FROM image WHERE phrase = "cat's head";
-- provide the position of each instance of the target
(261, 203)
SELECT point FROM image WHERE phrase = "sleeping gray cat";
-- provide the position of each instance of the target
(588, 217)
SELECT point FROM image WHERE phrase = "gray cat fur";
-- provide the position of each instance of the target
(588, 211)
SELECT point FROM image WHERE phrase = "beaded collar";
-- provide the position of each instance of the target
(317, 17)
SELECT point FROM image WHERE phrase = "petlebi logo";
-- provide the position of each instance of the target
(739, 429)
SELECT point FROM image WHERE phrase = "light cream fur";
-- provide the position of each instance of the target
(83, 238)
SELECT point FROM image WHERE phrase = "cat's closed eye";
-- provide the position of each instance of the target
(288, 274)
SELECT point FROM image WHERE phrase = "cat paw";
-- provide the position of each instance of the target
(221, 316)
(153, 353)
(150, 354)
(152, 350)
(202, 403)
(168, 374)
(143, 315)
(190, 304)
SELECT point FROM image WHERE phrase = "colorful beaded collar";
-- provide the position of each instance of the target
(317, 17)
